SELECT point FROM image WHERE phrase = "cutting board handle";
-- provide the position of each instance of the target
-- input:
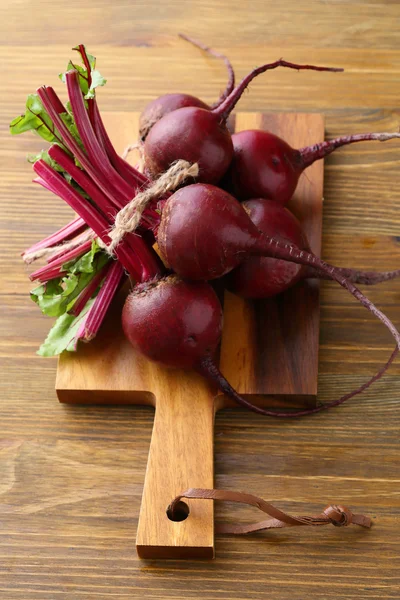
(181, 456)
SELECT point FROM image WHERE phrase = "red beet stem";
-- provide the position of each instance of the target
(86, 211)
(72, 146)
(132, 175)
(310, 154)
(223, 110)
(108, 206)
(146, 255)
(95, 151)
(209, 370)
(89, 290)
(42, 274)
(357, 276)
(102, 302)
(55, 100)
(88, 234)
(62, 235)
(231, 74)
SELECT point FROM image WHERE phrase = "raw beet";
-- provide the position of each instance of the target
(161, 106)
(265, 166)
(193, 134)
(199, 135)
(262, 276)
(173, 322)
(168, 102)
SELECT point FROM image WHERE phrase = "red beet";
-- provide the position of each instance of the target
(263, 277)
(173, 322)
(161, 106)
(199, 135)
(179, 324)
(168, 102)
(265, 166)
(205, 233)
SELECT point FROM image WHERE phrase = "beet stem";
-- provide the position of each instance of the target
(62, 249)
(42, 273)
(146, 256)
(86, 211)
(102, 302)
(96, 154)
(211, 372)
(62, 235)
(89, 290)
(310, 154)
(223, 110)
(72, 146)
(132, 175)
(356, 276)
(231, 74)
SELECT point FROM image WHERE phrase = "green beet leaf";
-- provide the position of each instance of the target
(58, 296)
(35, 119)
(97, 81)
(63, 335)
(44, 155)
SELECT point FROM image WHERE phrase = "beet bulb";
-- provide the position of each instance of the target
(265, 166)
(199, 135)
(178, 324)
(263, 276)
(165, 104)
(173, 322)
(205, 233)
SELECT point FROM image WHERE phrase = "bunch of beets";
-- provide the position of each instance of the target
(229, 222)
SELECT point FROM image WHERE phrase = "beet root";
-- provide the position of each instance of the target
(192, 134)
(265, 166)
(179, 324)
(167, 103)
(173, 322)
(204, 233)
(199, 135)
(161, 106)
(263, 277)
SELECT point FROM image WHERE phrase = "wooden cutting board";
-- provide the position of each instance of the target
(269, 352)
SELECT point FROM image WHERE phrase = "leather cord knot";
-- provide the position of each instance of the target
(338, 515)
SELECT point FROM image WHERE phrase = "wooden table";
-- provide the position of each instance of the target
(71, 477)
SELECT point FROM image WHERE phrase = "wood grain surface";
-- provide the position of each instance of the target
(71, 477)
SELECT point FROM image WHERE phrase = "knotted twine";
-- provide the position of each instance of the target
(128, 218)
(337, 515)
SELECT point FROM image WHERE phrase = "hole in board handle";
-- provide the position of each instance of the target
(180, 513)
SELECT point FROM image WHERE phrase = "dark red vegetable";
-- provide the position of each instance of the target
(265, 166)
(165, 104)
(179, 324)
(263, 277)
(199, 135)
(173, 322)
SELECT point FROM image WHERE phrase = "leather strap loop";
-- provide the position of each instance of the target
(337, 515)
